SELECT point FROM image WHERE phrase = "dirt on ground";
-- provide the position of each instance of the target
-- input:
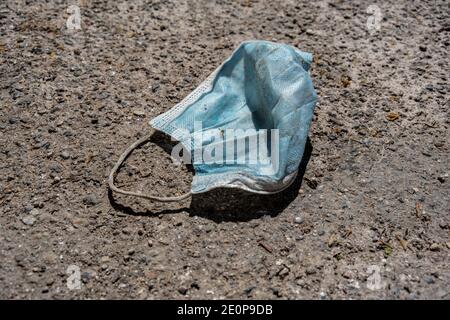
(367, 217)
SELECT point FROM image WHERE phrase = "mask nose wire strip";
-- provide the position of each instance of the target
(119, 163)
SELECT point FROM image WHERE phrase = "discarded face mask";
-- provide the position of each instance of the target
(246, 125)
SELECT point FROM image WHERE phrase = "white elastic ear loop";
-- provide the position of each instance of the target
(138, 194)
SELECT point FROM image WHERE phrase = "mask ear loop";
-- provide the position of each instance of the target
(119, 163)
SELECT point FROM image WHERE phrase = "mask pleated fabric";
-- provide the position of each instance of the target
(262, 99)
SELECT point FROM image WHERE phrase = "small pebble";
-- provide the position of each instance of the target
(182, 290)
(298, 220)
(87, 276)
(310, 270)
(65, 155)
(435, 247)
(90, 200)
(429, 280)
(139, 113)
(29, 220)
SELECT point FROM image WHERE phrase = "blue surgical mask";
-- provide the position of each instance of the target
(247, 124)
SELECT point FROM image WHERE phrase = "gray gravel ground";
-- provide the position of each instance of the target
(368, 218)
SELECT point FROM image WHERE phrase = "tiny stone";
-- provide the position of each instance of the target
(29, 220)
(104, 259)
(13, 120)
(90, 200)
(55, 167)
(434, 247)
(249, 289)
(155, 87)
(65, 155)
(139, 113)
(283, 272)
(87, 275)
(429, 280)
(298, 220)
(310, 270)
(182, 290)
